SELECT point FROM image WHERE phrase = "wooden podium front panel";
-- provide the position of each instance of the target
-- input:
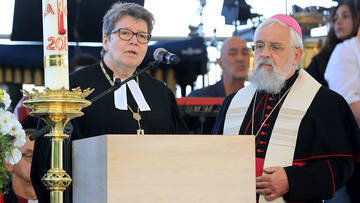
(172, 168)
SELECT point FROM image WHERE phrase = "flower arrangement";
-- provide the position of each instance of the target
(12, 137)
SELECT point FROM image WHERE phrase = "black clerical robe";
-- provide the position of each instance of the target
(328, 139)
(103, 118)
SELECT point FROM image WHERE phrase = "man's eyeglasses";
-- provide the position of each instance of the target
(126, 34)
(273, 46)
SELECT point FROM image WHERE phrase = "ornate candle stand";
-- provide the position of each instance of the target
(56, 108)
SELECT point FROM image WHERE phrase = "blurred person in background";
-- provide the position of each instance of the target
(343, 25)
(20, 187)
(234, 61)
(343, 76)
(343, 71)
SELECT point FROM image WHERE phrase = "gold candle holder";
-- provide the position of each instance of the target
(56, 108)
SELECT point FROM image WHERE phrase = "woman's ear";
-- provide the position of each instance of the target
(105, 40)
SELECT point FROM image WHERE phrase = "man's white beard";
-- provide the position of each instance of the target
(271, 81)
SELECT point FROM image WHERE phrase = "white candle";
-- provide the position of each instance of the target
(55, 40)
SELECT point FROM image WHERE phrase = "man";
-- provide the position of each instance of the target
(20, 188)
(143, 106)
(234, 61)
(306, 136)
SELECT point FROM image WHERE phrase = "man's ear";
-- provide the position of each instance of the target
(298, 55)
(9, 167)
(220, 63)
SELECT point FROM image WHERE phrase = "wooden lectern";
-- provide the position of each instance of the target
(164, 169)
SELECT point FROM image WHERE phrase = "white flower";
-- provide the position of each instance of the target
(6, 118)
(5, 98)
(14, 126)
(13, 157)
(20, 138)
(10, 126)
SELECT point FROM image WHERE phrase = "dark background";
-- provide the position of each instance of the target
(84, 19)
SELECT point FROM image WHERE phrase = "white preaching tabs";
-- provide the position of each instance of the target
(120, 97)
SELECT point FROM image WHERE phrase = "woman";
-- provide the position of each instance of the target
(343, 26)
(144, 105)
(141, 106)
(343, 76)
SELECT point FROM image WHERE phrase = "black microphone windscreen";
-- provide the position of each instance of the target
(159, 54)
(175, 59)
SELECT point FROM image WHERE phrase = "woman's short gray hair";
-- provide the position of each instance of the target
(295, 38)
(119, 10)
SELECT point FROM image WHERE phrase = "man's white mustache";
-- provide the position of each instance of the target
(265, 64)
(262, 62)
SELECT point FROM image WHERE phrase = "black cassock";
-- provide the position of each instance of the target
(328, 141)
(103, 118)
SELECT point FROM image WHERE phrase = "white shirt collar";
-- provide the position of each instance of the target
(120, 97)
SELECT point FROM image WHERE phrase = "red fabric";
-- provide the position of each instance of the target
(1, 198)
(21, 199)
(21, 112)
(206, 101)
(259, 166)
(299, 163)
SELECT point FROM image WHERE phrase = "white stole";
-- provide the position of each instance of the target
(281, 148)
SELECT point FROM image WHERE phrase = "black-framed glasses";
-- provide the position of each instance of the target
(126, 34)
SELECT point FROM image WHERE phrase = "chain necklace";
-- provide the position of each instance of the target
(253, 110)
(136, 115)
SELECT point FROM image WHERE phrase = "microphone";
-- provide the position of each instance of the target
(162, 55)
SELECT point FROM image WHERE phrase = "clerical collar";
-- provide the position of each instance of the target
(289, 82)
(120, 96)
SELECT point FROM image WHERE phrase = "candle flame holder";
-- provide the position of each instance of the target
(56, 108)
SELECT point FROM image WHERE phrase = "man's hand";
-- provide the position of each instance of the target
(274, 184)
